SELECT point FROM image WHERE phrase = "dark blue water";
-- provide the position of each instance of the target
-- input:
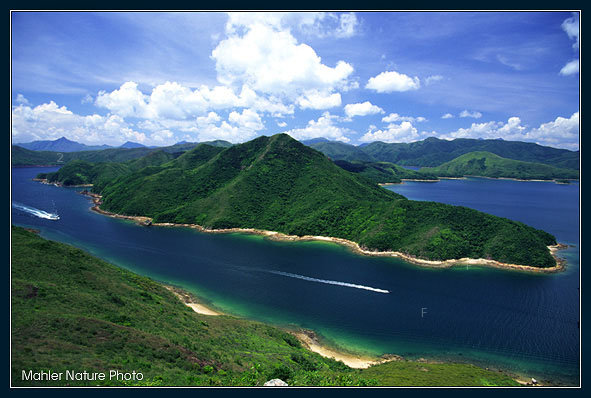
(526, 323)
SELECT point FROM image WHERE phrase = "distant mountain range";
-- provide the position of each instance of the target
(433, 152)
(61, 145)
(486, 164)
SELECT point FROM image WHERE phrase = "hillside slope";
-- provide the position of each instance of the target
(488, 164)
(383, 172)
(433, 152)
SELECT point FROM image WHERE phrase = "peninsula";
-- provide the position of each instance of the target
(278, 184)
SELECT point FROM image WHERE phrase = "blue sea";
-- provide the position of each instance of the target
(514, 321)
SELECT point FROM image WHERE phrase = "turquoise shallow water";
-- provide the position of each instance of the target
(525, 323)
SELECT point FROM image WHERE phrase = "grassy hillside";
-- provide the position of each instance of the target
(276, 183)
(383, 172)
(433, 152)
(71, 311)
(487, 164)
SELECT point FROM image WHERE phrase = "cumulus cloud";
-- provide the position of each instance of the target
(319, 100)
(447, 116)
(50, 121)
(395, 117)
(125, 101)
(403, 132)
(171, 100)
(474, 114)
(388, 82)
(323, 127)
(562, 132)
(273, 62)
(362, 109)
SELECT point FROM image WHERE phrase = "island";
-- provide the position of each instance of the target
(279, 187)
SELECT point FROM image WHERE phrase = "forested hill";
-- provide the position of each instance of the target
(487, 164)
(278, 184)
(433, 152)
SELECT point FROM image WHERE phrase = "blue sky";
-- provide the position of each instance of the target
(159, 78)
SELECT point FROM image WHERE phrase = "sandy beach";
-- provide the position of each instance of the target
(560, 263)
(190, 301)
(310, 341)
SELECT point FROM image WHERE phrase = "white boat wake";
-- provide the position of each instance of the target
(36, 212)
(329, 282)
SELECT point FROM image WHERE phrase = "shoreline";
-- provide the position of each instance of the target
(311, 341)
(353, 246)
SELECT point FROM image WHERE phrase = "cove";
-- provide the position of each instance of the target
(525, 323)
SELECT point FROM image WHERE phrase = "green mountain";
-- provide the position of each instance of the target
(340, 151)
(383, 172)
(488, 164)
(433, 152)
(278, 184)
(73, 312)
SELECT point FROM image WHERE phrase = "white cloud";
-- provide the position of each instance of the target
(273, 62)
(447, 116)
(20, 99)
(388, 82)
(362, 109)
(321, 24)
(571, 27)
(323, 127)
(319, 100)
(395, 117)
(125, 101)
(49, 121)
(248, 120)
(281, 124)
(571, 68)
(562, 132)
(403, 132)
(474, 114)
(347, 25)
(171, 100)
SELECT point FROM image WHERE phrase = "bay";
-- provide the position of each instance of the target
(525, 323)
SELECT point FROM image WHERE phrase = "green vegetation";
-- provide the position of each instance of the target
(71, 311)
(383, 172)
(80, 172)
(276, 183)
(488, 164)
(432, 152)
(340, 151)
